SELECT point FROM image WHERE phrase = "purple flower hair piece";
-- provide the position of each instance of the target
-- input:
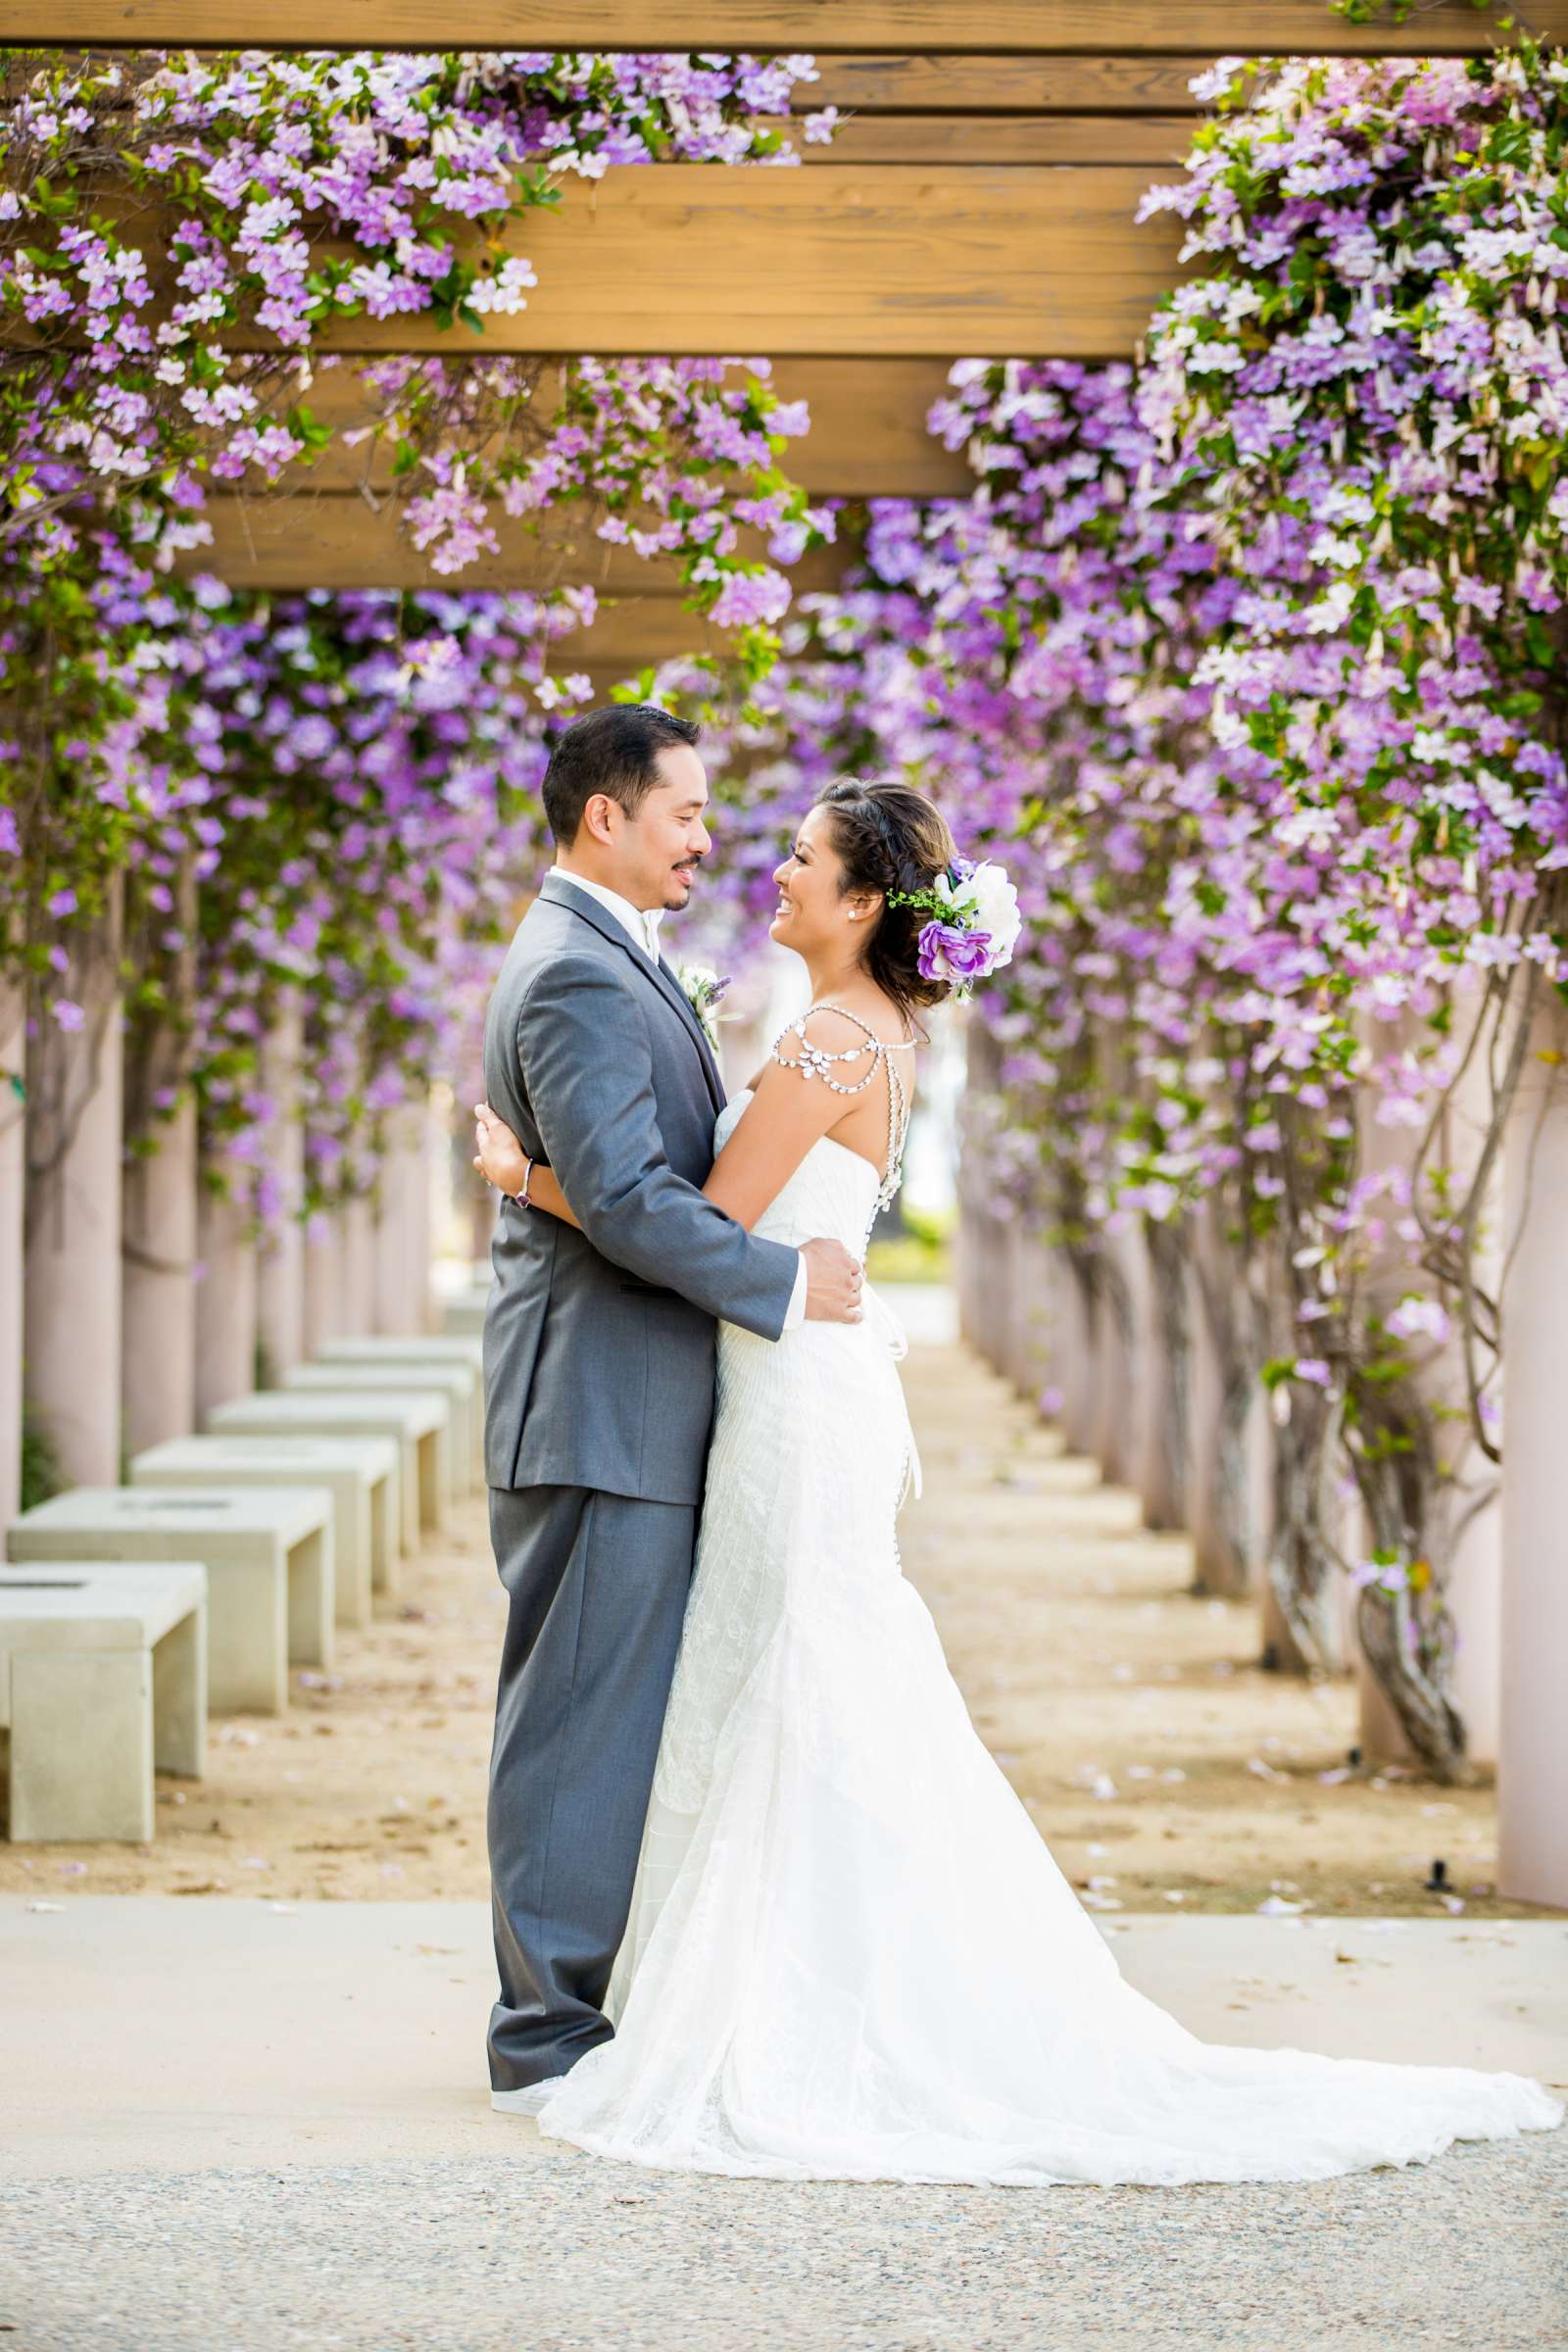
(975, 922)
(947, 953)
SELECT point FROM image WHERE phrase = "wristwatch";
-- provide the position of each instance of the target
(522, 1196)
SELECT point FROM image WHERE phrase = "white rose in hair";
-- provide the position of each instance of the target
(997, 908)
(974, 926)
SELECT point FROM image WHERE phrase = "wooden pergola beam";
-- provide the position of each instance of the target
(868, 436)
(1023, 137)
(328, 540)
(604, 677)
(883, 261)
(948, 82)
(1019, 28)
(631, 633)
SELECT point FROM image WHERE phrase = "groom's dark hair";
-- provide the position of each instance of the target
(614, 751)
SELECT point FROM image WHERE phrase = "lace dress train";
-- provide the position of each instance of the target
(850, 1954)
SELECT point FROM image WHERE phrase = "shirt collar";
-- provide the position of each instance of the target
(642, 926)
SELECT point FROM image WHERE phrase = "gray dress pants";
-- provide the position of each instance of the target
(597, 1586)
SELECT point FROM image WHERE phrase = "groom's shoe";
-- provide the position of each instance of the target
(529, 2099)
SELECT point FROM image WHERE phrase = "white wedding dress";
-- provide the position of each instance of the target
(850, 1955)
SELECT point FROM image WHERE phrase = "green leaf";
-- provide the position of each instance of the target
(308, 428)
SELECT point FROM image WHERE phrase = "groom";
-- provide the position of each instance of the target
(599, 1360)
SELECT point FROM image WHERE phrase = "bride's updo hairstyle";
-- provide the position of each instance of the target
(889, 837)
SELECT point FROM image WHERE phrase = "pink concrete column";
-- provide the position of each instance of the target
(157, 1375)
(965, 1266)
(280, 1294)
(401, 1228)
(157, 1205)
(323, 1317)
(998, 1299)
(1120, 1317)
(1015, 1305)
(429, 1149)
(72, 1320)
(1031, 1307)
(225, 1300)
(978, 1282)
(389, 1235)
(358, 1268)
(1040, 1290)
(12, 1149)
(1228, 1433)
(1003, 1318)
(1063, 1292)
(983, 1337)
(483, 1209)
(1533, 1741)
(427, 1209)
(1077, 1375)
(1160, 1467)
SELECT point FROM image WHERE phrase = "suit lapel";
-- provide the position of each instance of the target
(660, 974)
(673, 988)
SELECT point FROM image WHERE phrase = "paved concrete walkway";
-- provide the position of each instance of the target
(258, 2127)
(242, 2124)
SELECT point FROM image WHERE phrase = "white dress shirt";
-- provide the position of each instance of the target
(641, 925)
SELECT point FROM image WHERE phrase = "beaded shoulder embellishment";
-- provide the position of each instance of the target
(815, 1061)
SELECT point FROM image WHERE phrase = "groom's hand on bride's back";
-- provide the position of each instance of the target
(832, 1284)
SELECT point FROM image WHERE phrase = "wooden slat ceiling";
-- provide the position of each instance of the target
(330, 540)
(1019, 28)
(603, 677)
(1160, 141)
(978, 198)
(868, 436)
(876, 261)
(633, 632)
(951, 83)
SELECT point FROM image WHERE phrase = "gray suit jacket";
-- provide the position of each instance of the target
(599, 1346)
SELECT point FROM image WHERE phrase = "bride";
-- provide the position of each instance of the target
(850, 1955)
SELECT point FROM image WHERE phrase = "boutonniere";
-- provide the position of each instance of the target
(705, 992)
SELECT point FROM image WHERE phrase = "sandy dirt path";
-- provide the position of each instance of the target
(1154, 1755)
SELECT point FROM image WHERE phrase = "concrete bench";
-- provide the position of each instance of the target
(437, 1348)
(420, 1425)
(382, 1348)
(360, 1474)
(461, 1382)
(103, 1676)
(269, 1557)
(407, 1382)
(444, 1350)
